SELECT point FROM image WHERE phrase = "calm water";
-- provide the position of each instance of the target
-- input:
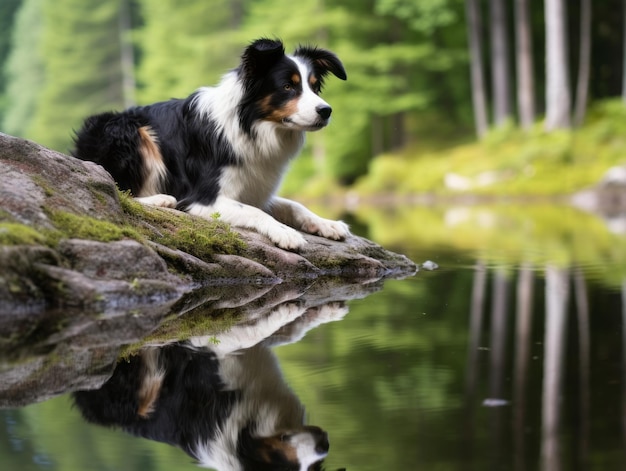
(507, 357)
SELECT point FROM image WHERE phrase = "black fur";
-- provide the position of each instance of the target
(191, 407)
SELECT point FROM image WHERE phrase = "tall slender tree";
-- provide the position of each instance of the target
(584, 65)
(624, 55)
(558, 101)
(500, 68)
(479, 94)
(524, 61)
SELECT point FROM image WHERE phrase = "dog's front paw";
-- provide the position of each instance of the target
(331, 312)
(160, 200)
(286, 313)
(287, 238)
(336, 230)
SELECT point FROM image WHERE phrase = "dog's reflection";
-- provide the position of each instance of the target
(225, 403)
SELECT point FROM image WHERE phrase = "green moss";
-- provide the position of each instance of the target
(5, 216)
(174, 229)
(99, 188)
(20, 234)
(85, 227)
(198, 323)
(177, 230)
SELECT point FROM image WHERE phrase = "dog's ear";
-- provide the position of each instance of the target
(323, 61)
(260, 56)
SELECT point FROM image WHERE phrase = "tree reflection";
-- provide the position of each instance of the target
(565, 291)
(557, 292)
(523, 338)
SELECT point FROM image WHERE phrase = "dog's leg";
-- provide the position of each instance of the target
(160, 200)
(245, 336)
(312, 318)
(297, 216)
(250, 217)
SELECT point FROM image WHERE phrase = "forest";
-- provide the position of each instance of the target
(423, 76)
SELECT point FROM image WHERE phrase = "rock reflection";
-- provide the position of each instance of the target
(220, 399)
(198, 374)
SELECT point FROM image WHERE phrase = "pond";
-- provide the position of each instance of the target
(509, 356)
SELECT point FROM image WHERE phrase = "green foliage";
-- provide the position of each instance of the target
(185, 45)
(24, 71)
(8, 9)
(80, 45)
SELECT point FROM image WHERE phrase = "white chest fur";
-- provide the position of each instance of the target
(262, 165)
(263, 156)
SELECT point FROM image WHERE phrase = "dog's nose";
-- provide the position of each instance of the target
(324, 111)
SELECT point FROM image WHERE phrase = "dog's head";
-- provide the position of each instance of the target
(302, 449)
(285, 89)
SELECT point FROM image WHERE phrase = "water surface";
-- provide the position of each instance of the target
(510, 356)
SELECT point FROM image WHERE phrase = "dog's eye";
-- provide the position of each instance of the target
(287, 86)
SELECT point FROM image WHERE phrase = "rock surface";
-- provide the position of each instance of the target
(87, 274)
(53, 252)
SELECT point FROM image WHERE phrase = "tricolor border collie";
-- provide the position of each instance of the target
(224, 149)
(225, 403)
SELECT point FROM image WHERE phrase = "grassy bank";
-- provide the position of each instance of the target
(510, 161)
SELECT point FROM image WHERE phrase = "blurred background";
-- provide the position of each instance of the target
(443, 96)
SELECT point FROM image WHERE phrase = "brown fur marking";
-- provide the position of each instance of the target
(278, 114)
(154, 167)
(152, 381)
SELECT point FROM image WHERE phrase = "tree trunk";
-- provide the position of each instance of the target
(558, 101)
(479, 100)
(500, 74)
(624, 58)
(555, 339)
(524, 60)
(582, 87)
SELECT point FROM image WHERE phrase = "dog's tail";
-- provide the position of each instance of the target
(115, 141)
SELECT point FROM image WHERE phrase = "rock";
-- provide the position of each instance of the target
(88, 275)
(69, 238)
(607, 199)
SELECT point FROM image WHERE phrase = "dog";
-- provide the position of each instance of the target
(221, 400)
(224, 149)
